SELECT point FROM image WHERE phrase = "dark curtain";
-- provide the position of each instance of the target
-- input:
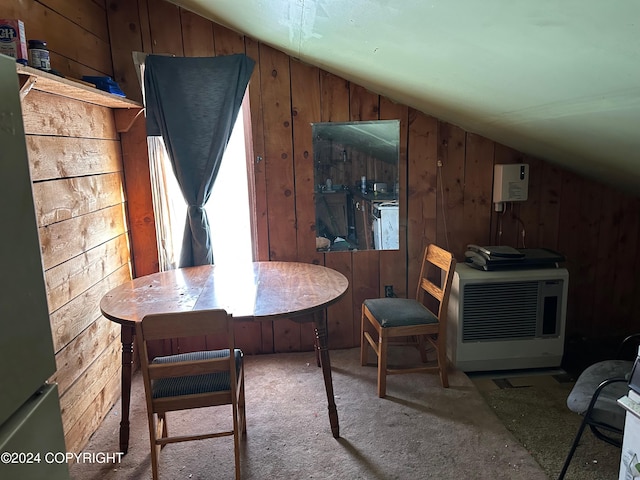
(193, 103)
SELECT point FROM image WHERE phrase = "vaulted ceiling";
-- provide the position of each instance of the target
(558, 80)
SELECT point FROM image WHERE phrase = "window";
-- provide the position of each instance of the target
(228, 208)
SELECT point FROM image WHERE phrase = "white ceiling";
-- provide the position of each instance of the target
(557, 79)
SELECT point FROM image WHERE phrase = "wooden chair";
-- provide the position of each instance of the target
(402, 317)
(191, 380)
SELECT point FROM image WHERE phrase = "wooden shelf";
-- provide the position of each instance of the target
(32, 78)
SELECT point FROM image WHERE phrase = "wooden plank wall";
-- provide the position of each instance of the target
(595, 226)
(76, 166)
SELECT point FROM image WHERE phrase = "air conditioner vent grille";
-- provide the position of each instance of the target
(495, 311)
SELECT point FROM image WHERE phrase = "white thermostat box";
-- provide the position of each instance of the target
(510, 182)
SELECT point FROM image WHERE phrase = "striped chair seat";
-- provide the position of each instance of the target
(194, 384)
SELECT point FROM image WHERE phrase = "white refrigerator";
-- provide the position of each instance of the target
(386, 232)
(31, 435)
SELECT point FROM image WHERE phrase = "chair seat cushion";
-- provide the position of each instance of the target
(606, 410)
(399, 312)
(194, 384)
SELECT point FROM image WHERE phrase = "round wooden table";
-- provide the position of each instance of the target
(255, 291)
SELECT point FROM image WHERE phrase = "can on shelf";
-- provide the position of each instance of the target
(39, 55)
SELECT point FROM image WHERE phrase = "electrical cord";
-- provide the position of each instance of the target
(515, 210)
(515, 217)
(519, 220)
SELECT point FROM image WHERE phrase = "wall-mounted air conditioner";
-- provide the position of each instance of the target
(505, 320)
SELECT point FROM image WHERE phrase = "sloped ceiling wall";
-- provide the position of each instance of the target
(556, 80)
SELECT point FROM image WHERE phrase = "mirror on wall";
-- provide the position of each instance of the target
(356, 185)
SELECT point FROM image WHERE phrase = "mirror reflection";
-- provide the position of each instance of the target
(356, 185)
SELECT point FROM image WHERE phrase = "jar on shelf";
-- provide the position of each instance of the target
(39, 55)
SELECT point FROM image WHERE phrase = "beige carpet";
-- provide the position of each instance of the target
(420, 431)
(533, 407)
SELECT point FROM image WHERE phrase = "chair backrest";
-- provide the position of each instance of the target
(181, 325)
(445, 265)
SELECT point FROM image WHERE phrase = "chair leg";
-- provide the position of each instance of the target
(423, 351)
(363, 341)
(165, 428)
(236, 439)
(616, 442)
(242, 410)
(155, 449)
(442, 362)
(383, 345)
(572, 450)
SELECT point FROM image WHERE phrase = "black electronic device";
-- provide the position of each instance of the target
(509, 258)
(499, 251)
